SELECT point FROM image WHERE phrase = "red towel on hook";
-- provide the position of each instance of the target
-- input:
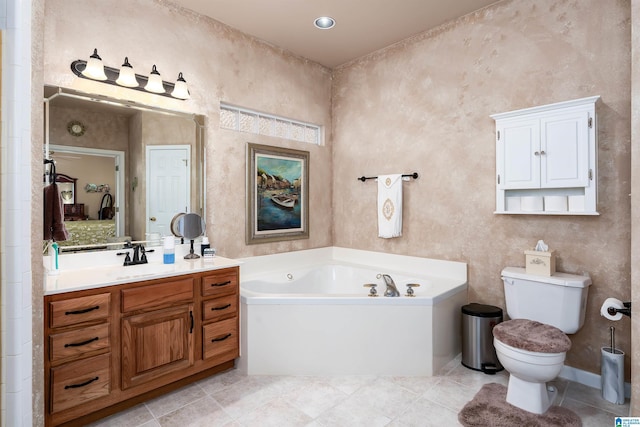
(54, 228)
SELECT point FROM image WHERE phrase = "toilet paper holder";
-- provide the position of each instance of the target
(626, 311)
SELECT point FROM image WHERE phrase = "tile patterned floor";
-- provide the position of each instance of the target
(235, 400)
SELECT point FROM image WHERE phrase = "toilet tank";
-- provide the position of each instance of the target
(559, 300)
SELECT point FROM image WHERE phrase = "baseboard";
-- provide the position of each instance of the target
(588, 378)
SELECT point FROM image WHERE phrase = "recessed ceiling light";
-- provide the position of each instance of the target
(324, 22)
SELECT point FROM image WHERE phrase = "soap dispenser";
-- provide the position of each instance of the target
(169, 250)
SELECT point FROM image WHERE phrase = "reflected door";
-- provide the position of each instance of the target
(168, 185)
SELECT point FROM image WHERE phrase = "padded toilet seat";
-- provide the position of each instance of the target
(533, 336)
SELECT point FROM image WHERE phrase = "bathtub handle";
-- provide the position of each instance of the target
(410, 286)
(372, 291)
(221, 338)
(221, 284)
(220, 308)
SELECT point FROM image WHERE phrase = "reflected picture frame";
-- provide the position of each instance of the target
(277, 196)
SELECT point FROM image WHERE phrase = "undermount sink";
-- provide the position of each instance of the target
(144, 270)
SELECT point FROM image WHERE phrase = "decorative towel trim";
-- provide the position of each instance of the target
(532, 336)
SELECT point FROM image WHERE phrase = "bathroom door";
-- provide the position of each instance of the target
(168, 185)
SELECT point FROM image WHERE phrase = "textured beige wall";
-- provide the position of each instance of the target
(424, 104)
(105, 130)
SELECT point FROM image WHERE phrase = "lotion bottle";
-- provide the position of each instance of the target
(204, 245)
(169, 250)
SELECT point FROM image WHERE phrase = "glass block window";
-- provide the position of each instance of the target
(245, 120)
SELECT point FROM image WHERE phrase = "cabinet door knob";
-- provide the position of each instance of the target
(153, 218)
(542, 153)
(536, 153)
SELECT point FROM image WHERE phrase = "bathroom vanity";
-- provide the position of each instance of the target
(115, 336)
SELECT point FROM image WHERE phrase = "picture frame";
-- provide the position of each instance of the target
(277, 194)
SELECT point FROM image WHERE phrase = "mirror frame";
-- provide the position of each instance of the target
(51, 92)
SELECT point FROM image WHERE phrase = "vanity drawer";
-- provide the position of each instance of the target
(220, 307)
(158, 295)
(75, 344)
(220, 338)
(78, 310)
(223, 282)
(78, 382)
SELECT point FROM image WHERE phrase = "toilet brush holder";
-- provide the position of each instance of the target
(612, 376)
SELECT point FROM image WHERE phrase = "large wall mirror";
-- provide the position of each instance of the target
(135, 166)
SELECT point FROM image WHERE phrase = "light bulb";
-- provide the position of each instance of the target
(127, 76)
(94, 69)
(324, 22)
(180, 89)
(154, 84)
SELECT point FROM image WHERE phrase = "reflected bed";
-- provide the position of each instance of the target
(90, 232)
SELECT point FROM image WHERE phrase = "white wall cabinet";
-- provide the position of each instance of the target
(546, 159)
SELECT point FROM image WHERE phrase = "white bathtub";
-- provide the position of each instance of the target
(317, 319)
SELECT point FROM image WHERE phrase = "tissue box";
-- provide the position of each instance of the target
(540, 263)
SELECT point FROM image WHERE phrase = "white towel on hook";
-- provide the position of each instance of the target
(390, 206)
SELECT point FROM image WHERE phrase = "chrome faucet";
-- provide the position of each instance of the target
(391, 291)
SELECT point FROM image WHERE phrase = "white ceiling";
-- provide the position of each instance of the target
(362, 26)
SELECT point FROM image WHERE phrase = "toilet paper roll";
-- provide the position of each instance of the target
(611, 302)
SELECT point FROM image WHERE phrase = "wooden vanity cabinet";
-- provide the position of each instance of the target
(113, 347)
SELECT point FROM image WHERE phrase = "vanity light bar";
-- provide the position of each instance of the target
(112, 74)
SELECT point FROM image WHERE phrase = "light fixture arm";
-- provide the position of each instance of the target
(112, 74)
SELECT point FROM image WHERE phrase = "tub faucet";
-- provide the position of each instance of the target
(391, 291)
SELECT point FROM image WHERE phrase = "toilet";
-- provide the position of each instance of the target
(532, 345)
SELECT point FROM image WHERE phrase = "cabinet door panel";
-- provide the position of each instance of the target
(521, 163)
(565, 143)
(156, 343)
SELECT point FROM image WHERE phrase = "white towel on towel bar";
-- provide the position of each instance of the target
(390, 206)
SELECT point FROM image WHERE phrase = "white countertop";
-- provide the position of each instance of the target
(99, 269)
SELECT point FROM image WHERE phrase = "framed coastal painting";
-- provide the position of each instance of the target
(277, 194)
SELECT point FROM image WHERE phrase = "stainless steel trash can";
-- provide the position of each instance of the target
(478, 352)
